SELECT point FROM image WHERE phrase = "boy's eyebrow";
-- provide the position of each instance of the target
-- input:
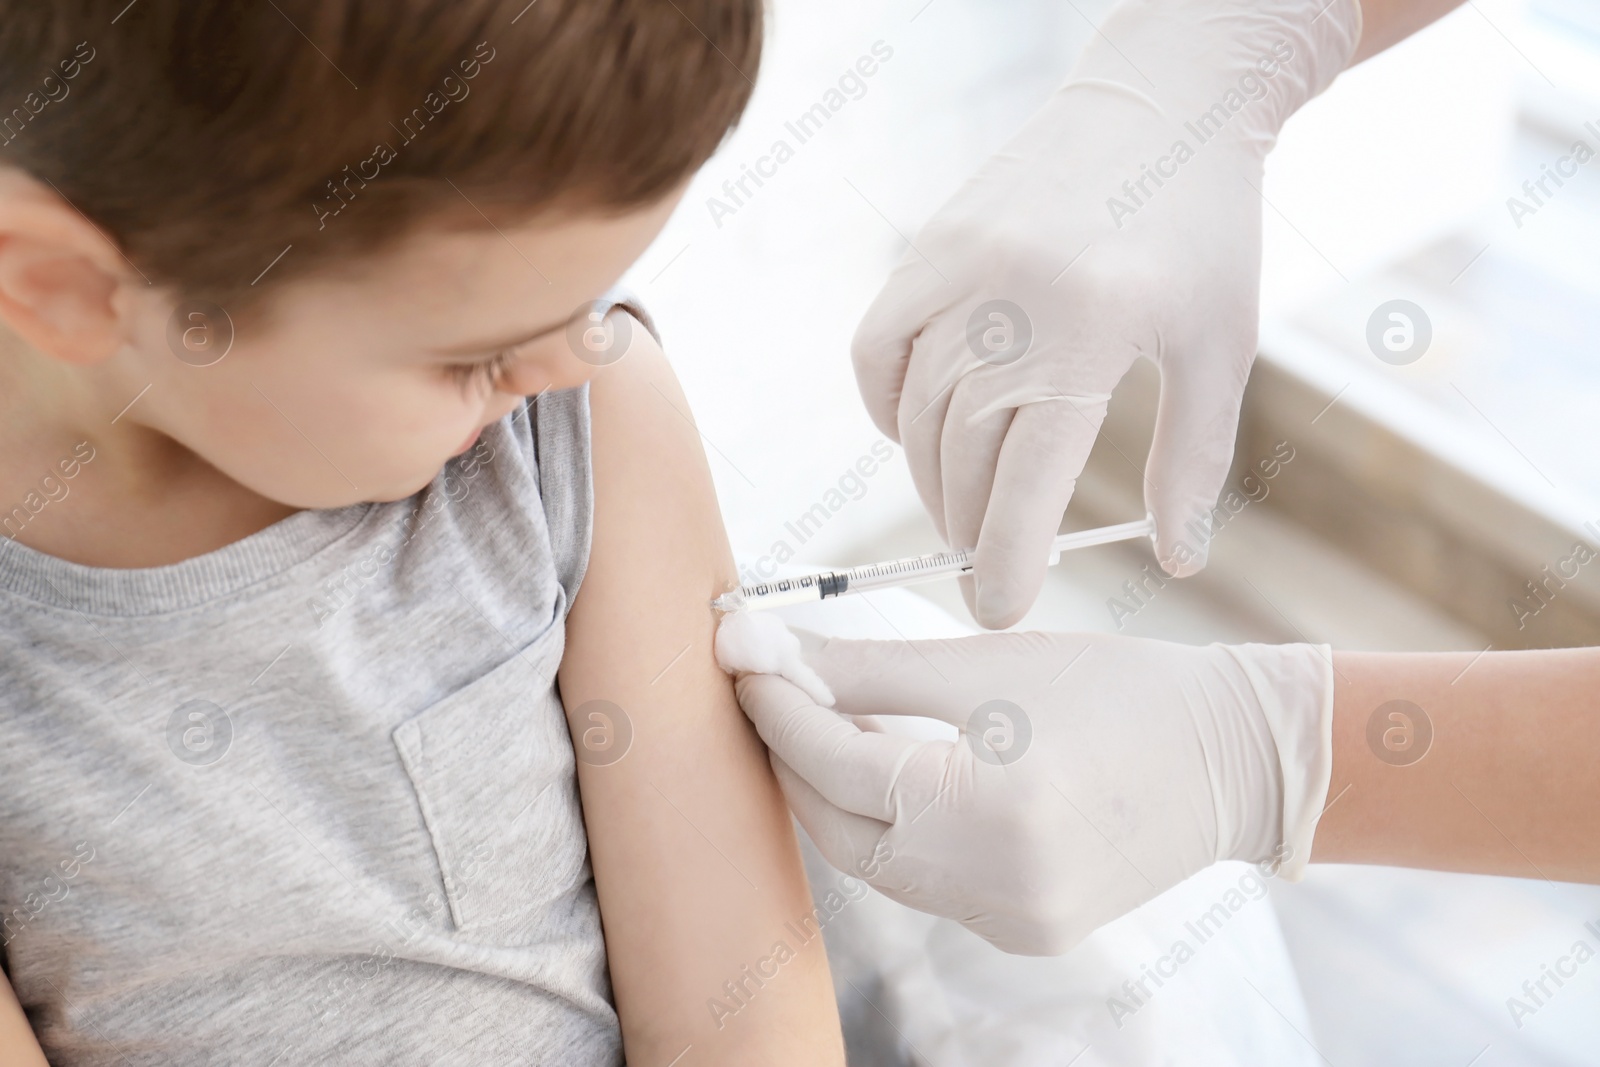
(500, 344)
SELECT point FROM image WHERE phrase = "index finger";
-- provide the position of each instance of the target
(1046, 447)
(939, 679)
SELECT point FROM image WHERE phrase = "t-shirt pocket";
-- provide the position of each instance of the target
(493, 770)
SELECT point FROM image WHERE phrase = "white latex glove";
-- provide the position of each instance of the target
(1130, 765)
(1120, 222)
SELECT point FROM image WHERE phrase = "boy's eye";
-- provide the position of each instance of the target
(485, 374)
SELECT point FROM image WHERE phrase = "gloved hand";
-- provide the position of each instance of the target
(1124, 220)
(1093, 771)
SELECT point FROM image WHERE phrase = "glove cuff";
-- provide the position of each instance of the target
(1294, 687)
(1232, 70)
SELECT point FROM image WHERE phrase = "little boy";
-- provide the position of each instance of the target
(306, 602)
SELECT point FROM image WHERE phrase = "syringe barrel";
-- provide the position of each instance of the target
(778, 598)
(866, 583)
(913, 571)
(781, 592)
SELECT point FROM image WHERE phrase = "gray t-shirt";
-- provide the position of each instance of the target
(310, 798)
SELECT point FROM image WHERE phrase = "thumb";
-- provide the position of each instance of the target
(1197, 422)
(945, 680)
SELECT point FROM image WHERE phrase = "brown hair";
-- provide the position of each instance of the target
(206, 136)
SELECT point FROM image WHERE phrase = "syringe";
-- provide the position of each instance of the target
(865, 579)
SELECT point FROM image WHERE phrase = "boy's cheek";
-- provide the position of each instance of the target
(316, 427)
(342, 443)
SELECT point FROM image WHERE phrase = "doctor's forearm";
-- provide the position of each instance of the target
(1388, 22)
(1466, 762)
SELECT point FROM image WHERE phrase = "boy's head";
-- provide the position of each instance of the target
(360, 203)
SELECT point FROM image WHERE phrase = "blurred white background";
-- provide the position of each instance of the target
(1418, 146)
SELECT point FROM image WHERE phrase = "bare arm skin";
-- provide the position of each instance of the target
(693, 850)
(18, 1048)
(1388, 22)
(1509, 784)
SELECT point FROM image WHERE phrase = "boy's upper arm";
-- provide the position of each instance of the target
(694, 857)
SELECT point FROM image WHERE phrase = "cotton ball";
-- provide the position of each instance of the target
(754, 642)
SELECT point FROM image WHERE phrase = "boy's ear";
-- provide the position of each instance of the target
(58, 275)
